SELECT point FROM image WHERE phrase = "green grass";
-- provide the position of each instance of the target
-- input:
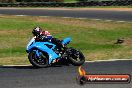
(94, 38)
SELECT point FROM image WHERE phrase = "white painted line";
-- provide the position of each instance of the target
(121, 21)
(108, 20)
(16, 65)
(21, 15)
(44, 16)
(97, 19)
(78, 18)
(67, 17)
(109, 60)
(129, 22)
(74, 18)
(81, 18)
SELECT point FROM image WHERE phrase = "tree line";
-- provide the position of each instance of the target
(13, 1)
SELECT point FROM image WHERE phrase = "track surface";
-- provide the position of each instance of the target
(92, 14)
(61, 77)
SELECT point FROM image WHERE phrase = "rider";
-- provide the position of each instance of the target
(46, 36)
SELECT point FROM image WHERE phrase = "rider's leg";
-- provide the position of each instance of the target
(57, 42)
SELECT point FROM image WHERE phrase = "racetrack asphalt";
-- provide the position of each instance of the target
(61, 76)
(92, 14)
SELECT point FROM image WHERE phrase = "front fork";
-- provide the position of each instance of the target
(38, 54)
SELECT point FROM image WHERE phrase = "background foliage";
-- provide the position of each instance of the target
(12, 1)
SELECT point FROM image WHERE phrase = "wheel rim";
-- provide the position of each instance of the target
(77, 56)
(41, 60)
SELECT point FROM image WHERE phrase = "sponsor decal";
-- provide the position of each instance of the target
(84, 78)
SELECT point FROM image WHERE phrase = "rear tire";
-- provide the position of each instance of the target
(36, 62)
(76, 58)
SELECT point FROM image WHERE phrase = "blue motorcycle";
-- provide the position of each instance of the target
(43, 54)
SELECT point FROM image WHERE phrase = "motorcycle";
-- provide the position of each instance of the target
(43, 54)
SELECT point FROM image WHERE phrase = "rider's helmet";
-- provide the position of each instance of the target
(36, 31)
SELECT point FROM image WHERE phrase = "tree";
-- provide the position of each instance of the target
(11, 1)
(7, 1)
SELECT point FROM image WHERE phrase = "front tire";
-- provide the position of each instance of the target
(40, 62)
(76, 57)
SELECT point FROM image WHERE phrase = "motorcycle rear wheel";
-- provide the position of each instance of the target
(36, 62)
(76, 58)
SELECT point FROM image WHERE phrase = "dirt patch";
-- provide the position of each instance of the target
(82, 23)
(13, 32)
(42, 20)
(22, 60)
(108, 9)
(93, 56)
(9, 32)
(128, 42)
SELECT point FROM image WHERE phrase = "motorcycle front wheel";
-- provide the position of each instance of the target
(41, 61)
(76, 57)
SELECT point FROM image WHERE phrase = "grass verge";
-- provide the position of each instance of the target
(94, 38)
